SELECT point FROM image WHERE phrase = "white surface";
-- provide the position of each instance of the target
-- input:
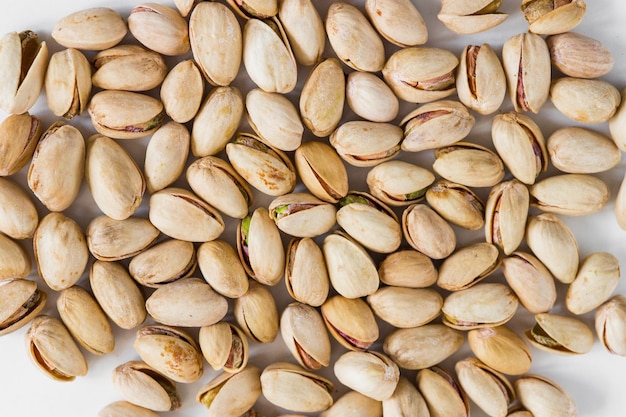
(596, 380)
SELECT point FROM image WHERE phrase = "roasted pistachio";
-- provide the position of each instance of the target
(302, 215)
(471, 16)
(18, 214)
(579, 56)
(398, 21)
(598, 276)
(68, 83)
(577, 150)
(399, 183)
(19, 136)
(371, 373)
(14, 260)
(141, 385)
(543, 397)
(159, 28)
(468, 266)
(570, 194)
(275, 119)
(259, 9)
(303, 331)
(304, 28)
(96, 28)
(501, 349)
(560, 334)
(112, 240)
(128, 67)
(306, 276)
(489, 389)
(222, 269)
(322, 171)
(428, 232)
(370, 98)
(469, 164)
(457, 204)
(181, 91)
(480, 81)
(163, 263)
(407, 268)
(20, 302)
(506, 212)
(547, 17)
(585, 101)
(531, 281)
(353, 404)
(395, 305)
(224, 346)
(442, 393)
(365, 144)
(231, 395)
(610, 321)
(256, 313)
(350, 321)
(406, 400)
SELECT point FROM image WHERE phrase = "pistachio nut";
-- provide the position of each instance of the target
(56, 171)
(422, 347)
(506, 212)
(610, 319)
(96, 29)
(469, 164)
(428, 232)
(114, 179)
(399, 183)
(53, 351)
(442, 392)
(166, 156)
(20, 302)
(290, 387)
(231, 395)
(303, 331)
(249, 9)
(14, 261)
(306, 277)
(222, 269)
(370, 373)
(275, 119)
(543, 397)
(182, 90)
(224, 346)
(500, 348)
(163, 263)
(617, 124)
(125, 409)
(322, 171)
(365, 144)
(560, 334)
(399, 22)
(117, 294)
(24, 62)
(406, 400)
(170, 352)
(256, 313)
(570, 194)
(302, 214)
(547, 17)
(141, 385)
(350, 321)
(128, 67)
(304, 28)
(395, 305)
(488, 388)
(435, 125)
(353, 404)
(577, 55)
(407, 268)
(531, 281)
(68, 83)
(112, 240)
(19, 136)
(457, 204)
(526, 61)
(159, 28)
(468, 266)
(474, 16)
(585, 101)
(598, 276)
(370, 98)
(18, 214)
(577, 150)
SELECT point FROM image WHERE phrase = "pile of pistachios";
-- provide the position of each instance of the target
(246, 198)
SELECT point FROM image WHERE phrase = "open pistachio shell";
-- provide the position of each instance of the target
(112, 240)
(428, 232)
(249, 9)
(256, 313)
(141, 385)
(371, 373)
(598, 276)
(224, 346)
(18, 214)
(20, 302)
(96, 28)
(480, 81)
(163, 263)
(222, 269)
(365, 144)
(471, 16)
(506, 213)
(544, 398)
(302, 214)
(166, 156)
(442, 392)
(19, 136)
(14, 260)
(306, 276)
(398, 21)
(160, 28)
(353, 404)
(322, 171)
(293, 388)
(304, 333)
(468, 266)
(489, 389)
(406, 400)
(407, 268)
(549, 18)
(531, 281)
(560, 334)
(350, 321)
(395, 305)
(304, 28)
(231, 395)
(610, 323)
(399, 183)
(500, 348)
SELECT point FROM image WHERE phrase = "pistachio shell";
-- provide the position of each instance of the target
(501, 349)
(125, 409)
(128, 67)
(560, 334)
(370, 98)
(166, 155)
(20, 302)
(407, 268)
(617, 123)
(350, 321)
(163, 263)
(230, 395)
(480, 81)
(93, 29)
(291, 387)
(469, 164)
(531, 281)
(395, 305)
(457, 204)
(19, 136)
(159, 28)
(322, 171)
(556, 194)
(112, 240)
(547, 18)
(468, 266)
(222, 269)
(442, 393)
(302, 214)
(427, 232)
(306, 276)
(577, 55)
(365, 144)
(371, 373)
(406, 400)
(397, 21)
(259, 9)
(224, 346)
(490, 390)
(304, 333)
(256, 313)
(610, 319)
(14, 261)
(181, 91)
(506, 212)
(304, 28)
(18, 214)
(543, 397)
(353, 404)
(141, 385)
(598, 276)
(471, 16)
(580, 151)
(275, 119)
(399, 183)
(585, 101)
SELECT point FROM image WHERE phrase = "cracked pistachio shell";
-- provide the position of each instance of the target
(68, 83)
(395, 305)
(473, 16)
(159, 28)
(546, 17)
(596, 280)
(483, 305)
(370, 98)
(399, 183)
(500, 348)
(302, 214)
(488, 388)
(60, 250)
(322, 171)
(422, 347)
(370, 373)
(163, 263)
(20, 302)
(577, 150)
(249, 9)
(350, 321)
(435, 125)
(85, 320)
(405, 401)
(579, 56)
(53, 351)
(125, 409)
(480, 80)
(290, 387)
(114, 179)
(141, 385)
(304, 333)
(531, 281)
(182, 90)
(469, 164)
(224, 346)
(18, 214)
(170, 352)
(610, 323)
(182, 215)
(128, 67)
(570, 194)
(543, 397)
(353, 38)
(256, 313)
(112, 240)
(222, 269)
(96, 29)
(407, 268)
(24, 62)
(468, 266)
(585, 101)
(216, 42)
(166, 156)
(14, 261)
(506, 213)
(560, 334)
(421, 74)
(366, 144)
(275, 119)
(117, 294)
(398, 21)
(351, 270)
(322, 98)
(19, 136)
(427, 232)
(528, 77)
(231, 395)
(56, 171)
(304, 28)
(354, 404)
(457, 204)
(306, 277)
(442, 392)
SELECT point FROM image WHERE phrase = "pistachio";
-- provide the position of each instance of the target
(128, 67)
(141, 385)
(543, 397)
(370, 373)
(547, 17)
(597, 278)
(395, 305)
(555, 194)
(353, 404)
(321, 170)
(585, 101)
(259, 9)
(500, 348)
(560, 334)
(68, 83)
(97, 29)
(620, 205)
(427, 232)
(531, 281)
(397, 21)
(442, 393)
(577, 150)
(366, 144)
(474, 16)
(306, 276)
(166, 155)
(407, 268)
(304, 28)
(224, 346)
(489, 389)
(230, 395)
(579, 56)
(370, 98)
(19, 136)
(406, 400)
(399, 183)
(610, 318)
(124, 408)
(20, 302)
(506, 212)
(159, 28)
(469, 164)
(222, 269)
(165, 262)
(468, 266)
(184, 6)
(350, 321)
(18, 214)
(256, 313)
(303, 331)
(275, 119)
(617, 123)
(112, 240)
(302, 215)
(181, 91)
(14, 261)
(457, 204)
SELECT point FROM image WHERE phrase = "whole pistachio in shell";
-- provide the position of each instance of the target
(222, 269)
(399, 183)
(256, 313)
(585, 101)
(14, 260)
(302, 214)
(543, 397)
(165, 262)
(395, 305)
(469, 164)
(560, 334)
(500, 348)
(353, 404)
(112, 240)
(306, 277)
(182, 90)
(468, 266)
(597, 278)
(617, 123)
(304, 333)
(546, 17)
(406, 400)
(457, 204)
(370, 98)
(474, 16)
(18, 214)
(577, 150)
(96, 29)
(224, 346)
(397, 21)
(442, 392)
(249, 9)
(19, 136)
(166, 155)
(407, 268)
(480, 81)
(371, 373)
(506, 212)
(128, 67)
(530, 280)
(489, 389)
(231, 395)
(304, 28)
(428, 232)
(365, 144)
(141, 385)
(610, 322)
(577, 55)
(68, 83)
(350, 321)
(160, 28)
(556, 194)
(322, 171)
(125, 408)
(275, 119)
(20, 302)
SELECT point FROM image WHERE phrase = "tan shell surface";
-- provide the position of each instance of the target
(166, 156)
(501, 349)
(370, 98)
(14, 260)
(93, 29)
(235, 394)
(610, 324)
(322, 171)
(350, 321)
(165, 262)
(585, 101)
(468, 266)
(19, 136)
(304, 28)
(20, 302)
(160, 28)
(112, 240)
(303, 331)
(18, 215)
(480, 81)
(291, 387)
(313, 217)
(306, 276)
(68, 83)
(181, 91)
(371, 373)
(222, 269)
(141, 385)
(597, 278)
(128, 67)
(224, 346)
(543, 397)
(396, 305)
(256, 313)
(400, 22)
(427, 232)
(577, 150)
(531, 281)
(407, 268)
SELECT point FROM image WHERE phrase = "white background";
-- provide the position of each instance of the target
(596, 380)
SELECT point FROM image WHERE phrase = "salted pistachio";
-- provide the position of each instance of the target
(302, 214)
(457, 204)
(543, 397)
(406, 400)
(506, 212)
(428, 232)
(18, 214)
(222, 269)
(224, 346)
(351, 270)
(468, 266)
(303, 331)
(182, 215)
(304, 28)
(260, 247)
(423, 346)
(267, 56)
(617, 124)
(364, 144)
(112, 240)
(128, 67)
(19, 136)
(370, 98)
(469, 164)
(353, 38)
(166, 155)
(52, 349)
(399, 183)
(421, 74)
(306, 277)
(579, 56)
(322, 97)
(531, 281)
(125, 409)
(20, 302)
(482, 305)
(585, 101)
(547, 17)
(256, 313)
(474, 16)
(159, 28)
(290, 387)
(163, 263)
(96, 29)
(322, 171)
(24, 62)
(488, 388)
(68, 83)
(399, 22)
(216, 42)
(114, 179)
(14, 261)
(216, 121)
(597, 278)
(500, 348)
(250, 9)
(264, 167)
(371, 373)
(442, 392)
(407, 268)
(141, 385)
(610, 321)
(350, 321)
(560, 334)
(170, 352)
(353, 404)
(526, 61)
(275, 119)
(110, 115)
(231, 395)
(395, 305)
(182, 90)
(620, 205)
(480, 80)
(577, 150)
(56, 171)
(570, 194)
